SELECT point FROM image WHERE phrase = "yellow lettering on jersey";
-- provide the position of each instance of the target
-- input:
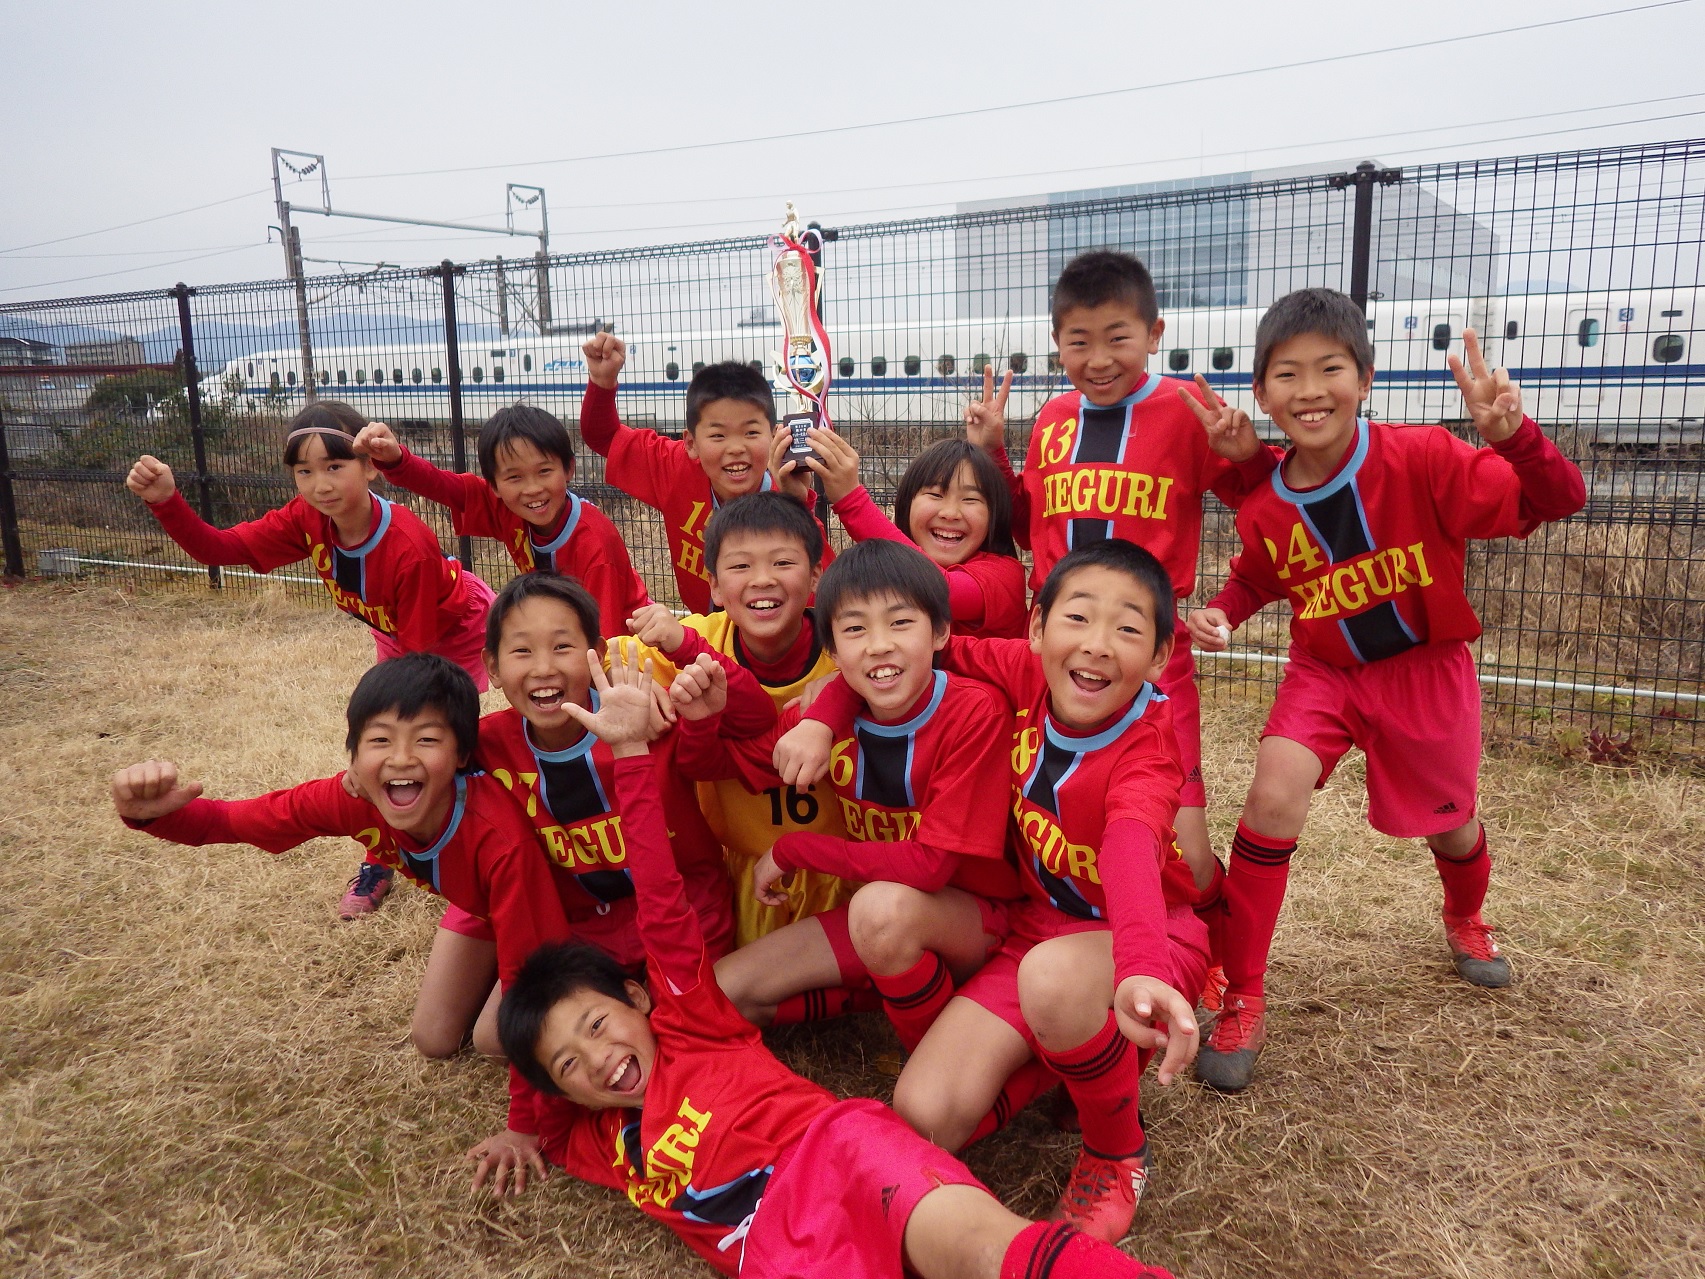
(1354, 585)
(1304, 554)
(1108, 491)
(691, 560)
(1025, 743)
(872, 825)
(376, 616)
(523, 549)
(1062, 438)
(1058, 854)
(843, 763)
(669, 1162)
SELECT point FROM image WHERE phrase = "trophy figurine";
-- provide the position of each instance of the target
(804, 360)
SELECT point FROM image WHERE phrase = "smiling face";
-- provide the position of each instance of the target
(951, 523)
(732, 443)
(1105, 349)
(885, 648)
(764, 580)
(540, 665)
(407, 768)
(1099, 644)
(531, 483)
(1313, 391)
(597, 1049)
(336, 487)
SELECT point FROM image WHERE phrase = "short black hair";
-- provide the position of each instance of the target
(523, 424)
(1122, 557)
(729, 380)
(935, 468)
(551, 974)
(873, 570)
(1101, 276)
(767, 512)
(542, 584)
(1326, 313)
(413, 683)
(337, 423)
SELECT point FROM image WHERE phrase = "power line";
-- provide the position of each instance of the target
(1037, 102)
(152, 266)
(124, 226)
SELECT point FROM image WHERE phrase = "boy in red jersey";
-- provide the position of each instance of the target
(764, 548)
(381, 564)
(669, 1096)
(731, 417)
(413, 727)
(1106, 937)
(921, 782)
(523, 500)
(1121, 456)
(1364, 529)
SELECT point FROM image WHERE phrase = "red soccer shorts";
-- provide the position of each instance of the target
(839, 1199)
(1178, 682)
(995, 985)
(465, 645)
(854, 974)
(457, 920)
(1417, 718)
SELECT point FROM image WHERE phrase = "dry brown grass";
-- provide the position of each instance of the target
(204, 1073)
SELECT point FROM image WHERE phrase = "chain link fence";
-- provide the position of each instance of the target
(1579, 270)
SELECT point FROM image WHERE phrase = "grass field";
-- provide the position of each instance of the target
(202, 1072)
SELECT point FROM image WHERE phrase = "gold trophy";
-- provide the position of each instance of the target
(796, 281)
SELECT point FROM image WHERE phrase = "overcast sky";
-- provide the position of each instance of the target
(122, 111)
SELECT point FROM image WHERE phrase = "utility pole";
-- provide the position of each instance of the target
(293, 253)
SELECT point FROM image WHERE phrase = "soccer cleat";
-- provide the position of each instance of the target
(1227, 1060)
(367, 891)
(1101, 1195)
(1475, 953)
(1212, 998)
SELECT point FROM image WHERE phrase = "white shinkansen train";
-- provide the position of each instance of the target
(1623, 364)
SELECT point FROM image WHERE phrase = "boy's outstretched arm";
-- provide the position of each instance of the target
(150, 790)
(150, 796)
(417, 475)
(600, 424)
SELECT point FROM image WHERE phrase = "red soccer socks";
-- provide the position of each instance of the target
(1055, 1250)
(823, 1003)
(1254, 891)
(1101, 1076)
(914, 999)
(1027, 1083)
(1465, 879)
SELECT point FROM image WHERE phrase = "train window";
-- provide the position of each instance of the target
(879, 366)
(757, 366)
(1223, 358)
(1018, 361)
(1441, 337)
(913, 365)
(847, 366)
(526, 364)
(361, 377)
(1672, 315)
(325, 377)
(397, 376)
(671, 370)
(1669, 348)
(414, 375)
(437, 375)
(251, 368)
(290, 377)
(1512, 331)
(944, 365)
(479, 374)
(275, 382)
(1587, 334)
(343, 377)
(497, 373)
(1055, 364)
(1178, 361)
(979, 362)
(378, 376)
(698, 367)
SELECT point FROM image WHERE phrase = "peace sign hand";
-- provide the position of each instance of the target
(1230, 432)
(1494, 402)
(985, 418)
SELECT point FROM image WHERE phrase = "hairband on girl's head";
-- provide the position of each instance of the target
(300, 431)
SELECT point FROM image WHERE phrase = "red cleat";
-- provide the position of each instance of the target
(1475, 953)
(1100, 1198)
(367, 891)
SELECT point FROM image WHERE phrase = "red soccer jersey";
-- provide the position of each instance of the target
(934, 783)
(719, 1108)
(398, 581)
(1372, 560)
(570, 797)
(1136, 470)
(656, 470)
(585, 545)
(986, 592)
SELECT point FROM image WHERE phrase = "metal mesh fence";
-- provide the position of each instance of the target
(1579, 270)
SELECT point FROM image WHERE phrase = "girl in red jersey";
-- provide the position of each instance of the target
(665, 1093)
(381, 564)
(1106, 937)
(521, 497)
(952, 505)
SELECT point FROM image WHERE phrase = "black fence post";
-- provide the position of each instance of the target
(192, 390)
(9, 539)
(448, 271)
(1361, 229)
